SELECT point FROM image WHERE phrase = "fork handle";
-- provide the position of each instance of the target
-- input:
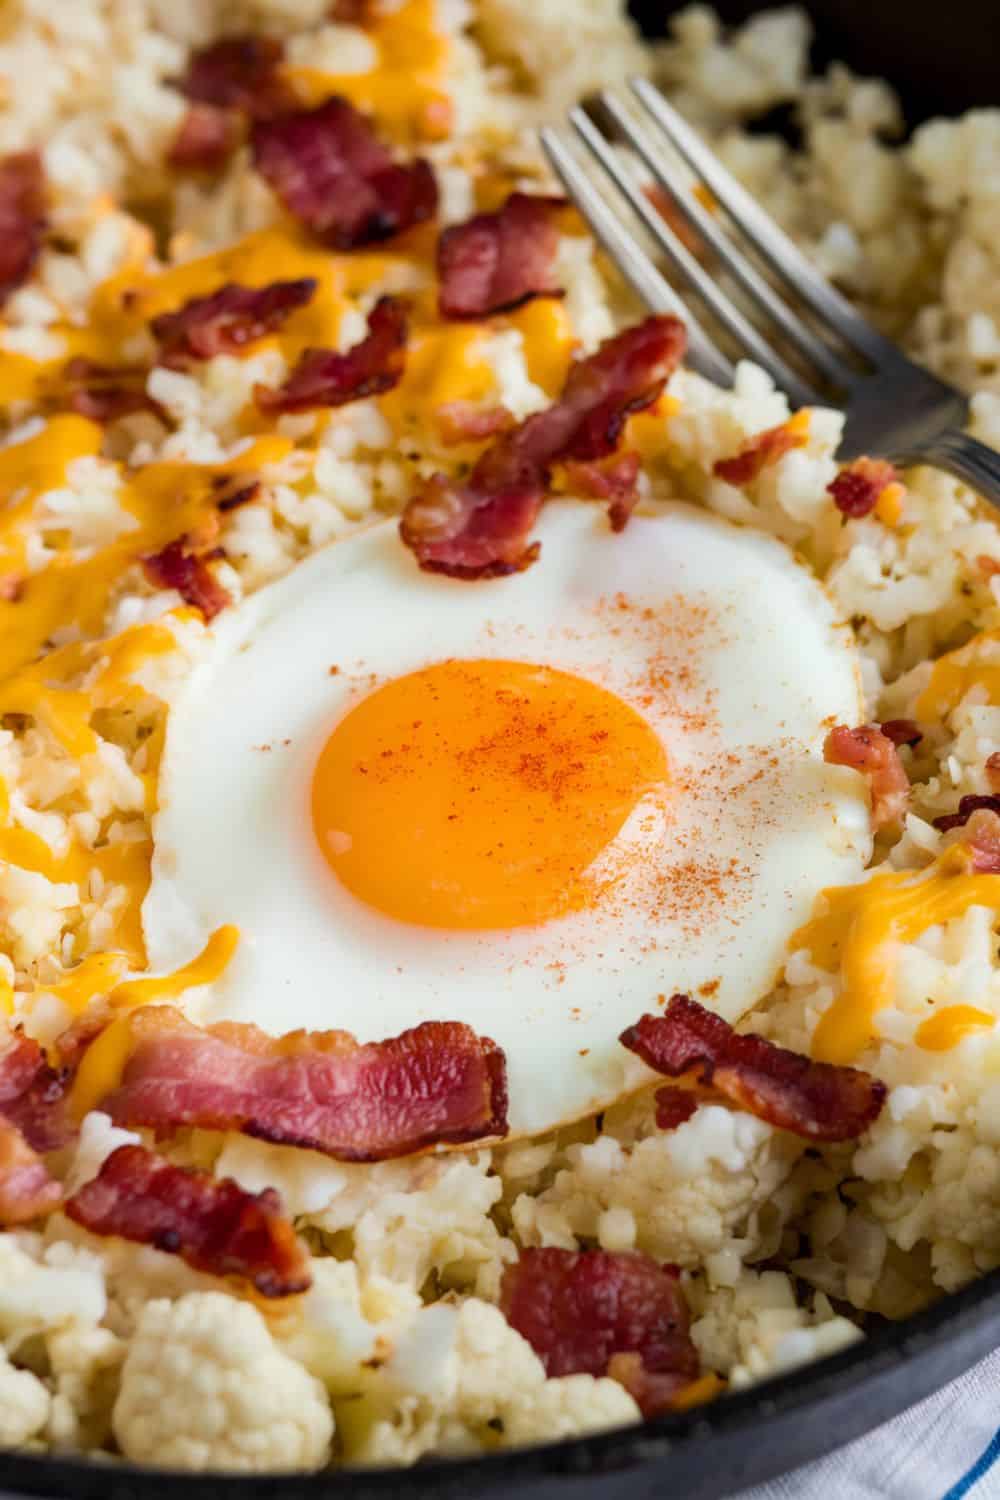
(965, 458)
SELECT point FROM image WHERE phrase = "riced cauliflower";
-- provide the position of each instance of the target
(204, 1386)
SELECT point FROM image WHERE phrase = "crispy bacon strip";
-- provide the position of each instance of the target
(22, 218)
(868, 750)
(104, 393)
(812, 1099)
(33, 1094)
(179, 567)
(227, 320)
(323, 377)
(336, 177)
(759, 452)
(615, 481)
(211, 1223)
(436, 1083)
(481, 528)
(581, 1312)
(857, 487)
(495, 262)
(206, 138)
(674, 1107)
(26, 1188)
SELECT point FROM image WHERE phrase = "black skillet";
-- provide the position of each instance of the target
(940, 58)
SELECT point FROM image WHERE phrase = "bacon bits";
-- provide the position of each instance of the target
(616, 481)
(335, 176)
(206, 138)
(481, 528)
(857, 487)
(581, 1312)
(228, 320)
(762, 450)
(22, 218)
(436, 1083)
(902, 732)
(464, 422)
(872, 752)
(812, 1099)
(979, 817)
(493, 263)
(323, 377)
(26, 1188)
(674, 1107)
(966, 807)
(212, 1224)
(104, 393)
(237, 72)
(178, 567)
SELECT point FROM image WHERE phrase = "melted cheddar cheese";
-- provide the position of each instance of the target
(974, 665)
(859, 935)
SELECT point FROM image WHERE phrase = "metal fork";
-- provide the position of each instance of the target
(832, 356)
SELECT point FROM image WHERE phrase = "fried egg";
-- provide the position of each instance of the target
(537, 804)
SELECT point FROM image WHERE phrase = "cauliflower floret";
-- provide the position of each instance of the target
(679, 1196)
(24, 1404)
(757, 1327)
(342, 1323)
(461, 1380)
(204, 1386)
(85, 1365)
(42, 1289)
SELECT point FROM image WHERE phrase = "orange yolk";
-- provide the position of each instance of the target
(477, 794)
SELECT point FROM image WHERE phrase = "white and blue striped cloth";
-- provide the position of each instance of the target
(946, 1448)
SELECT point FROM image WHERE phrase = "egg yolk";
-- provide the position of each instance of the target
(477, 794)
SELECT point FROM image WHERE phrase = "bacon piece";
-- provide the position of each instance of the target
(238, 72)
(966, 807)
(857, 487)
(211, 1223)
(982, 839)
(868, 750)
(323, 377)
(902, 731)
(227, 320)
(22, 218)
(336, 177)
(104, 393)
(817, 1100)
(579, 1311)
(615, 481)
(495, 262)
(992, 769)
(759, 451)
(436, 1083)
(206, 138)
(33, 1094)
(481, 528)
(178, 567)
(464, 422)
(674, 1107)
(26, 1188)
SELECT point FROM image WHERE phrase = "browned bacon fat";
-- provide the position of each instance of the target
(437, 1083)
(212, 1224)
(868, 750)
(759, 451)
(582, 1311)
(323, 377)
(26, 1188)
(857, 487)
(812, 1099)
(493, 263)
(206, 138)
(22, 218)
(176, 566)
(104, 393)
(337, 178)
(481, 528)
(227, 320)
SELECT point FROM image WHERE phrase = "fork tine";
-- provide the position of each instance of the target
(688, 268)
(634, 264)
(762, 232)
(760, 291)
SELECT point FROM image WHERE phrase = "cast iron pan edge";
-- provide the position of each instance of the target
(702, 1455)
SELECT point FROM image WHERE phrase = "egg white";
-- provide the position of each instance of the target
(726, 644)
